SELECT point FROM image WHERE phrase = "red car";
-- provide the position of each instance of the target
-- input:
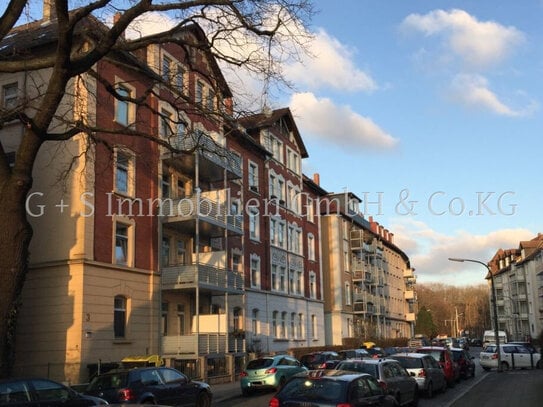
(446, 361)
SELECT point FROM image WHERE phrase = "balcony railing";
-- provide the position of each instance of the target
(202, 275)
(212, 151)
(409, 295)
(205, 343)
(205, 207)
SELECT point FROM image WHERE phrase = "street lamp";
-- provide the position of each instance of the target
(494, 306)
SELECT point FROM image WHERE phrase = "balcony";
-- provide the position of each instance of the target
(210, 209)
(410, 317)
(409, 295)
(408, 273)
(205, 343)
(202, 275)
(364, 308)
(212, 159)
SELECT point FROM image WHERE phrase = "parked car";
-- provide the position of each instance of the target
(151, 385)
(376, 352)
(269, 372)
(390, 374)
(354, 354)
(444, 357)
(512, 356)
(36, 392)
(477, 343)
(527, 345)
(316, 360)
(426, 371)
(463, 343)
(320, 388)
(465, 362)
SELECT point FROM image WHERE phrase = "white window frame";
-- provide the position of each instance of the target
(312, 285)
(129, 169)
(254, 224)
(255, 266)
(253, 176)
(129, 224)
(310, 247)
(10, 95)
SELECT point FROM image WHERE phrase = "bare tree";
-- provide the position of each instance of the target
(249, 34)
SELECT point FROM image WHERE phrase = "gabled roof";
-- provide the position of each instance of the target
(268, 119)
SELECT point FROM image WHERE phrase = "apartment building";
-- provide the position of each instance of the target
(518, 279)
(368, 281)
(283, 301)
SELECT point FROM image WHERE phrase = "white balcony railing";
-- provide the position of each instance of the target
(189, 276)
(205, 343)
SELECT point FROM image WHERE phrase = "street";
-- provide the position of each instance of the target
(487, 388)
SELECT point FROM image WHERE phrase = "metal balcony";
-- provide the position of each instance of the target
(204, 276)
(205, 343)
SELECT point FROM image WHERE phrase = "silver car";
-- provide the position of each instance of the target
(426, 371)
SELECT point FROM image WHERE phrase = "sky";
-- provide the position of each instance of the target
(430, 112)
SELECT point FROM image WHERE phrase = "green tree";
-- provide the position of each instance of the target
(425, 324)
(261, 28)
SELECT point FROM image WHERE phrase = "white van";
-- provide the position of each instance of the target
(490, 337)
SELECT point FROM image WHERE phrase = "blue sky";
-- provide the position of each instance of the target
(430, 111)
(446, 110)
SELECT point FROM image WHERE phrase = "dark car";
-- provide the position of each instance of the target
(445, 359)
(390, 375)
(38, 392)
(327, 388)
(464, 361)
(317, 360)
(151, 385)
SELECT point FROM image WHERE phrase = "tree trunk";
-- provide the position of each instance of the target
(15, 236)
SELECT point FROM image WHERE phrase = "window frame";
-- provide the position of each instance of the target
(128, 117)
(129, 169)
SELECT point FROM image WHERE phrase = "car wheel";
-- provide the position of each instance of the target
(505, 366)
(430, 390)
(203, 400)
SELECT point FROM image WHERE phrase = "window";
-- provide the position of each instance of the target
(293, 325)
(282, 279)
(124, 110)
(293, 161)
(283, 325)
(254, 228)
(255, 326)
(347, 294)
(199, 97)
(165, 251)
(124, 172)
(255, 271)
(210, 99)
(253, 176)
(166, 68)
(311, 247)
(165, 184)
(299, 282)
(281, 234)
(165, 130)
(181, 319)
(313, 326)
(312, 285)
(119, 316)
(300, 326)
(10, 95)
(164, 320)
(274, 277)
(236, 319)
(275, 326)
(121, 244)
(237, 265)
(273, 226)
(181, 252)
(180, 79)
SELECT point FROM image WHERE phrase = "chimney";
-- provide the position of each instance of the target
(317, 178)
(49, 11)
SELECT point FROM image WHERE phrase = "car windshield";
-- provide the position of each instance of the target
(260, 363)
(410, 363)
(317, 390)
(108, 381)
(358, 367)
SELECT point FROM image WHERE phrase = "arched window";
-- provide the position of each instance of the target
(119, 316)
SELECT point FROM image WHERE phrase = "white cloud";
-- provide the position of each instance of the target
(323, 119)
(328, 63)
(429, 251)
(479, 44)
(474, 91)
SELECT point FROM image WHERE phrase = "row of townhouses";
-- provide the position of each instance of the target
(202, 253)
(518, 281)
